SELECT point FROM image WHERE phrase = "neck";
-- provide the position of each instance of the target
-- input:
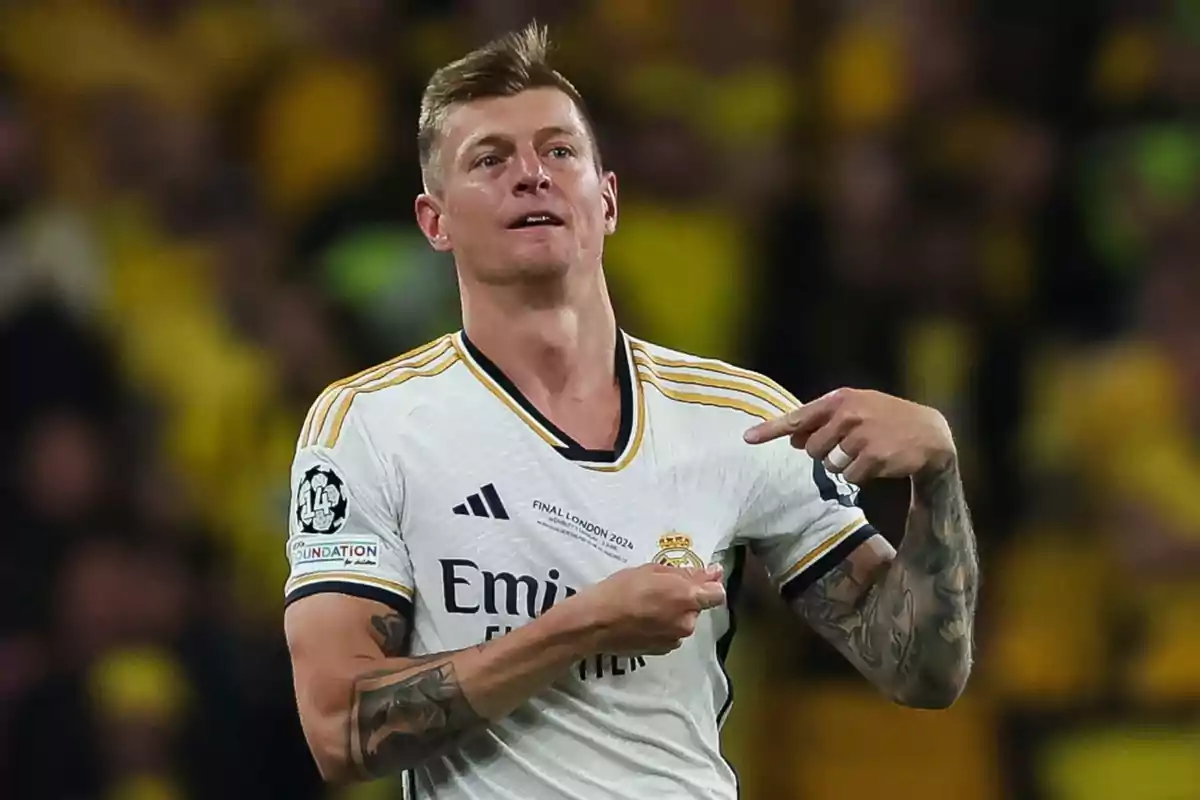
(551, 341)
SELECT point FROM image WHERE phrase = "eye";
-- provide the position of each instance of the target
(561, 151)
(487, 161)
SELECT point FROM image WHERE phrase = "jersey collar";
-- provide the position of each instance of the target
(629, 434)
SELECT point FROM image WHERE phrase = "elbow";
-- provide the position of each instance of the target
(337, 770)
(332, 761)
(929, 698)
(932, 690)
(324, 724)
(333, 773)
(340, 764)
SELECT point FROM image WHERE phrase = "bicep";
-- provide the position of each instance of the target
(823, 555)
(332, 638)
(846, 584)
(338, 626)
(841, 602)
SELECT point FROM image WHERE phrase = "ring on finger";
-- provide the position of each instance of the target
(838, 459)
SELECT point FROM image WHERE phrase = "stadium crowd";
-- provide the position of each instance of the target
(989, 207)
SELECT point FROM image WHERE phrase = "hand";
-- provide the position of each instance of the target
(865, 435)
(649, 610)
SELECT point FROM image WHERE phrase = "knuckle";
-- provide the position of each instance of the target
(850, 415)
(855, 443)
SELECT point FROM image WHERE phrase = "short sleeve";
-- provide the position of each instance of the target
(800, 520)
(344, 522)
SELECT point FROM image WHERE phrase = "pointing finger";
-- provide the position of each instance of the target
(798, 423)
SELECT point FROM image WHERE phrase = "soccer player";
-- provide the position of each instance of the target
(513, 550)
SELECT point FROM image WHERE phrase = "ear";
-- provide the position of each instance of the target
(608, 196)
(430, 220)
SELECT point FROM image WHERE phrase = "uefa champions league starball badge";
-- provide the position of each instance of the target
(321, 501)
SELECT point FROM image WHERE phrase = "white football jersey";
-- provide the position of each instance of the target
(430, 484)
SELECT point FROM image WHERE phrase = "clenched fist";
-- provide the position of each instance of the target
(865, 434)
(649, 610)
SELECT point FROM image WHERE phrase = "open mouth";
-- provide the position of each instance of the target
(539, 219)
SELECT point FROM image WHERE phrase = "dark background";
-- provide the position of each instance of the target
(990, 207)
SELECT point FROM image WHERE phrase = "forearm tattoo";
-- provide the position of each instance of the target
(400, 717)
(910, 628)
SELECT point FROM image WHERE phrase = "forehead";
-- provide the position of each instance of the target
(517, 117)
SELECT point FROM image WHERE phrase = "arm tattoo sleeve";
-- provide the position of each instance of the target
(400, 717)
(909, 628)
(391, 634)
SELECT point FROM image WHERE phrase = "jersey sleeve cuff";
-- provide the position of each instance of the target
(813, 572)
(392, 598)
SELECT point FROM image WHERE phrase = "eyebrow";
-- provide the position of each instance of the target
(555, 130)
(496, 139)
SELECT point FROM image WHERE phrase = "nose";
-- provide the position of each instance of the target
(532, 177)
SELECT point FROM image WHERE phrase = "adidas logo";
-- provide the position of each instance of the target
(475, 504)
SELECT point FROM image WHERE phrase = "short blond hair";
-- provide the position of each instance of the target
(504, 67)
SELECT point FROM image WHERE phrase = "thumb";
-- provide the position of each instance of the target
(713, 572)
(710, 595)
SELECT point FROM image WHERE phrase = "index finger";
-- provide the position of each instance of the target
(806, 419)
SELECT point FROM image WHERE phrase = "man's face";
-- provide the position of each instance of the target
(520, 196)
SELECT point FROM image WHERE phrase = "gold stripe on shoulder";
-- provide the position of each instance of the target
(647, 375)
(317, 415)
(745, 386)
(407, 373)
(709, 365)
(320, 408)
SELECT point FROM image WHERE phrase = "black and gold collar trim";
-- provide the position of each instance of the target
(629, 434)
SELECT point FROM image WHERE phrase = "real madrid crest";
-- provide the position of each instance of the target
(675, 550)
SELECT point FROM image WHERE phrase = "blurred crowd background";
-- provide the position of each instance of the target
(989, 206)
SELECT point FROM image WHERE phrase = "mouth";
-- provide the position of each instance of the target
(536, 219)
